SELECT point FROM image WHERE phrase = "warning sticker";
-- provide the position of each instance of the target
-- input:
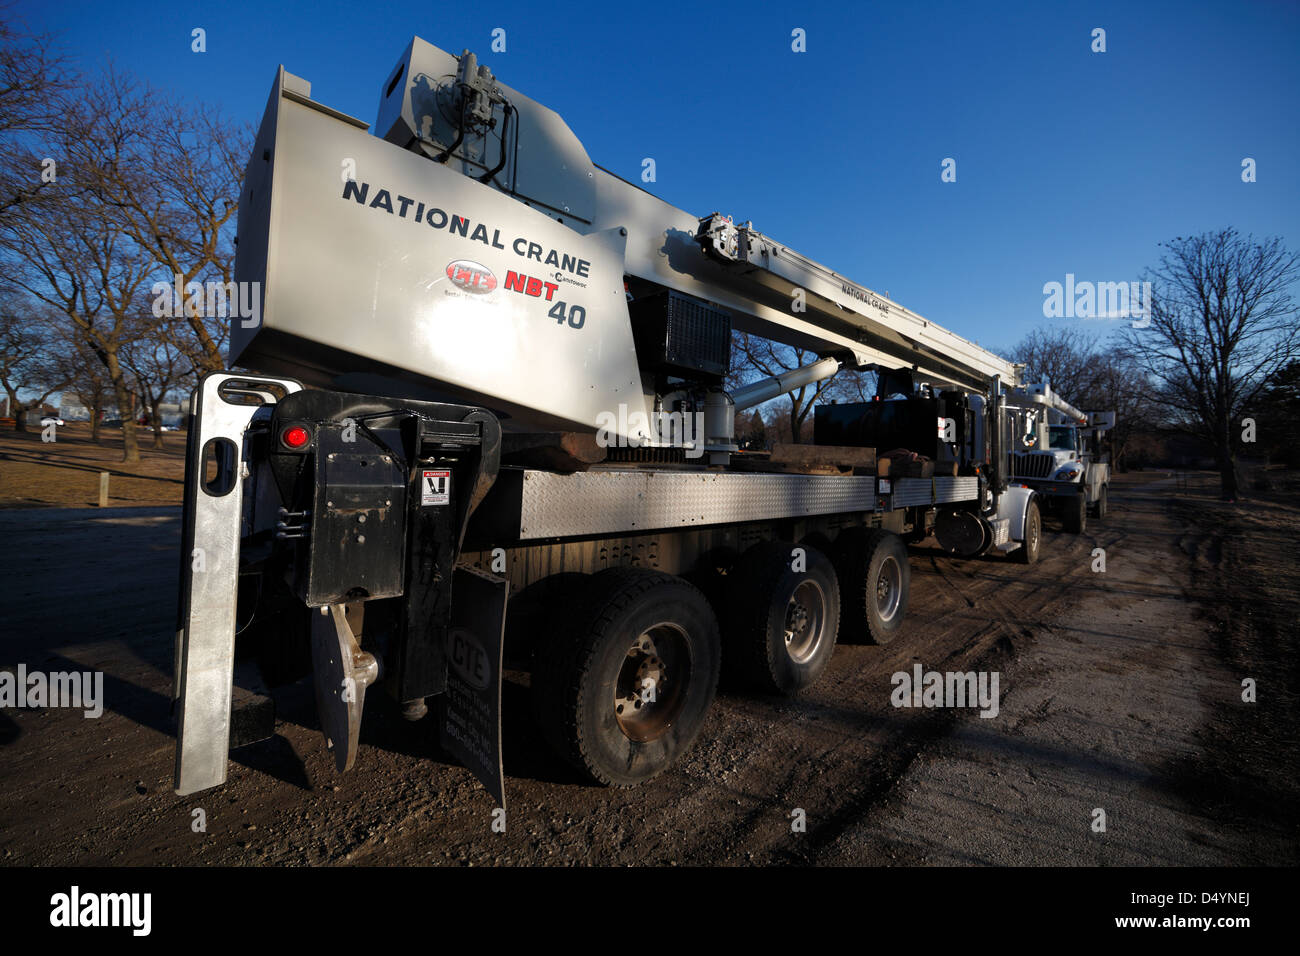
(435, 487)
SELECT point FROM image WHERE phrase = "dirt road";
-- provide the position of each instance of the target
(1120, 690)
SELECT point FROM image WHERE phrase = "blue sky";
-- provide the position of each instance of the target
(1068, 161)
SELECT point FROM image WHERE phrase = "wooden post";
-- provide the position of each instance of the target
(103, 489)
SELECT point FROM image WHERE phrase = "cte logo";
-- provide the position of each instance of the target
(471, 276)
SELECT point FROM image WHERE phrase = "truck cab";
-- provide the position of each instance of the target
(1066, 447)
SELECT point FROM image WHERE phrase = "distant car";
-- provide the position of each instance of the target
(111, 423)
(51, 420)
(167, 428)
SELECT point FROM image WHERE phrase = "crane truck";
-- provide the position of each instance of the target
(480, 422)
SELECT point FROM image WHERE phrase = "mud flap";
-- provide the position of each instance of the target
(470, 711)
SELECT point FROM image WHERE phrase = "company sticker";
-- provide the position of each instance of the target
(471, 276)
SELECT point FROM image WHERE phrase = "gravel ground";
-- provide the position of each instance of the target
(1119, 690)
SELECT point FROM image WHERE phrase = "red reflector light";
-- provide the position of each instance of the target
(295, 436)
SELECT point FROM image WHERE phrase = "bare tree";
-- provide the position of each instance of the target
(753, 357)
(157, 368)
(1222, 322)
(72, 257)
(170, 174)
(33, 76)
(1119, 386)
(850, 385)
(1065, 356)
(1092, 376)
(86, 376)
(29, 362)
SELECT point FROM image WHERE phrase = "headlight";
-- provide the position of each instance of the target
(1069, 473)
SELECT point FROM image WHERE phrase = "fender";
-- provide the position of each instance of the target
(1013, 505)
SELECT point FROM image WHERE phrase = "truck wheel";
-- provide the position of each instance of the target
(537, 611)
(623, 692)
(1099, 509)
(876, 579)
(782, 623)
(1027, 553)
(1074, 513)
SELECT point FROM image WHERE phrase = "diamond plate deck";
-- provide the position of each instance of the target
(611, 502)
(910, 492)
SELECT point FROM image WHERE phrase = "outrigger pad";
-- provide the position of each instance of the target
(470, 725)
(224, 405)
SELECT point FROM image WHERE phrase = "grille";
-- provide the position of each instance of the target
(649, 455)
(698, 336)
(1032, 466)
(678, 333)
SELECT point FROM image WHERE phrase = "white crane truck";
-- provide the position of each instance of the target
(483, 423)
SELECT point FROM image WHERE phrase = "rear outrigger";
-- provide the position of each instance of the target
(489, 429)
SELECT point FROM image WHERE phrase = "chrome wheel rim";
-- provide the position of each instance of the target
(649, 691)
(805, 620)
(889, 588)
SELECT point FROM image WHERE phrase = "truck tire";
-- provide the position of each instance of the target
(781, 623)
(590, 692)
(1027, 553)
(1074, 513)
(875, 580)
(1099, 508)
(537, 611)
